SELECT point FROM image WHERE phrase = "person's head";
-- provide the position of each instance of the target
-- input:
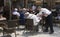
(15, 9)
(39, 8)
(24, 10)
(20, 9)
(26, 14)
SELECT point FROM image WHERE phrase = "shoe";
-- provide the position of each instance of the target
(36, 30)
(51, 32)
(45, 31)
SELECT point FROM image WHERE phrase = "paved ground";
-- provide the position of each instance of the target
(39, 34)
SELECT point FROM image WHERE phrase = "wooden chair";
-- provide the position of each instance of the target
(56, 21)
(21, 26)
(29, 25)
(3, 24)
(42, 23)
(11, 27)
(14, 17)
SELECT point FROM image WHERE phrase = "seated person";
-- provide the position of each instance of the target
(15, 14)
(35, 19)
(22, 19)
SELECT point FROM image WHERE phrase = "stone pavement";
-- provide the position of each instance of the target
(38, 34)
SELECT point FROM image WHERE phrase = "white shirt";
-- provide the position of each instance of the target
(16, 13)
(35, 19)
(33, 8)
(45, 11)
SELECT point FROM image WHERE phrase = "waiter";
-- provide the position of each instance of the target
(48, 14)
(22, 19)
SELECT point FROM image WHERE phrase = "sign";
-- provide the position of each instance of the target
(38, 2)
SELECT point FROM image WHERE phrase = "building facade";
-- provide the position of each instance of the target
(27, 3)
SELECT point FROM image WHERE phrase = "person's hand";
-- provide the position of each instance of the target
(45, 15)
(39, 15)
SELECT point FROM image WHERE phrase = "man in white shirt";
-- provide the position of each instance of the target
(15, 14)
(48, 14)
(35, 19)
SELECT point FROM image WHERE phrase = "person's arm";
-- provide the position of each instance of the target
(39, 14)
(44, 14)
(18, 14)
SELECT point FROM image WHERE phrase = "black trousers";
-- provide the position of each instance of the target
(49, 23)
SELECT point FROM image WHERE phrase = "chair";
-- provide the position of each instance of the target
(11, 27)
(56, 21)
(29, 24)
(43, 23)
(3, 24)
(14, 17)
(21, 24)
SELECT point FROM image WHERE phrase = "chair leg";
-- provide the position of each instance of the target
(3, 31)
(15, 34)
(18, 27)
